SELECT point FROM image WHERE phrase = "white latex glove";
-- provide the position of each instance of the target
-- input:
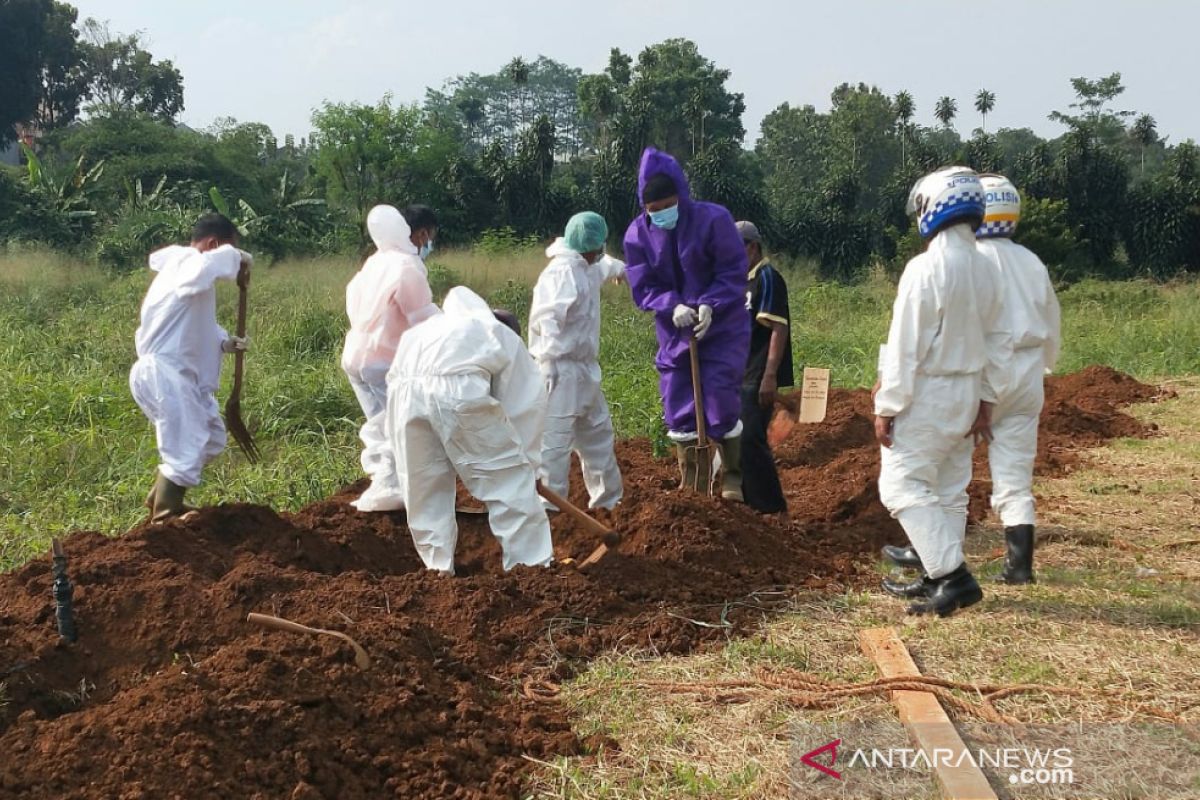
(246, 257)
(684, 316)
(235, 344)
(549, 374)
(705, 321)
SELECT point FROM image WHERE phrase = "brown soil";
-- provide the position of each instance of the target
(170, 693)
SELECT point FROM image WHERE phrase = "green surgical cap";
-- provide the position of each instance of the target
(586, 232)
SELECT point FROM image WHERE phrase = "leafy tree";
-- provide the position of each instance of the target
(985, 101)
(678, 86)
(374, 154)
(65, 77)
(946, 109)
(126, 78)
(1092, 98)
(501, 105)
(1095, 179)
(22, 37)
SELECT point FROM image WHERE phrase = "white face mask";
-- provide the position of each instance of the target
(426, 249)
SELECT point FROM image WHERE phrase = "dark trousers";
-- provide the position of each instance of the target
(760, 479)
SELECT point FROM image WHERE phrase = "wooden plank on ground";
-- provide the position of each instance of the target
(925, 718)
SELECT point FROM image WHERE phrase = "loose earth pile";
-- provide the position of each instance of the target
(170, 693)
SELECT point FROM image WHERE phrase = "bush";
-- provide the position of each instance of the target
(1045, 230)
(503, 241)
(136, 232)
(27, 216)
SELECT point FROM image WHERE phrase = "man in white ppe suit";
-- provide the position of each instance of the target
(946, 357)
(564, 338)
(388, 296)
(1032, 318)
(466, 398)
(179, 348)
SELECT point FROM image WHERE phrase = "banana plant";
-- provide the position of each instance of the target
(67, 193)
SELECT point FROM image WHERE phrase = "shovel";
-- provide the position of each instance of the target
(783, 420)
(702, 480)
(233, 406)
(361, 659)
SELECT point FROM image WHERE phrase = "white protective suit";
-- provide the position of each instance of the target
(947, 349)
(465, 397)
(178, 369)
(1031, 315)
(564, 338)
(389, 295)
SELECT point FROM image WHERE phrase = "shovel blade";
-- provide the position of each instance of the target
(700, 481)
(783, 422)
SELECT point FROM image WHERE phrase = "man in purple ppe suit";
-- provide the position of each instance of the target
(686, 263)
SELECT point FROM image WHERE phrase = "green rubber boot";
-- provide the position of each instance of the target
(168, 500)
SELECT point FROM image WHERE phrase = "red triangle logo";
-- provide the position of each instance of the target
(831, 748)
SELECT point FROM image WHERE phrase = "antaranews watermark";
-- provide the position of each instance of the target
(877, 758)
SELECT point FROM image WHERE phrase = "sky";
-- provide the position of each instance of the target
(274, 61)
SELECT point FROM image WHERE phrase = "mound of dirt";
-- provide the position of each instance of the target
(170, 693)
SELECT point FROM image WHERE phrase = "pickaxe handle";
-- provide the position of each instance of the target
(608, 535)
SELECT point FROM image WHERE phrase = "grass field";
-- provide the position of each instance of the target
(75, 452)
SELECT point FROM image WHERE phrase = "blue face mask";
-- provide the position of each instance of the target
(665, 219)
(426, 249)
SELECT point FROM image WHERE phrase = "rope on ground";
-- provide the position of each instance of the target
(805, 691)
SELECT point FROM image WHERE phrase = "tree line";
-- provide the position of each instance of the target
(511, 155)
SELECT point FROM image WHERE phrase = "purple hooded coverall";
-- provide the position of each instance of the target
(702, 261)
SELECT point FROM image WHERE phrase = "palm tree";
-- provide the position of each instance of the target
(985, 101)
(945, 110)
(905, 108)
(1145, 133)
(518, 72)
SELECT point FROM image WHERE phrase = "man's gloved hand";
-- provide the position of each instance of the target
(246, 257)
(684, 316)
(704, 321)
(549, 374)
(235, 344)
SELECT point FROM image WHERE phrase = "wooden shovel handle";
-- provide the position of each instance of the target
(697, 393)
(240, 356)
(570, 509)
(279, 624)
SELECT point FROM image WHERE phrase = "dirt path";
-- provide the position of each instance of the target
(169, 693)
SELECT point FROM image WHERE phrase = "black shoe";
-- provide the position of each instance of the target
(903, 556)
(949, 593)
(908, 591)
(1018, 562)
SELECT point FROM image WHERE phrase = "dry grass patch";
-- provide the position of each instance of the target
(1111, 627)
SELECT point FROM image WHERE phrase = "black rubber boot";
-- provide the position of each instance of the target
(910, 590)
(949, 593)
(903, 556)
(731, 469)
(1018, 562)
(168, 500)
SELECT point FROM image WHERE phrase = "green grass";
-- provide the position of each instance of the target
(76, 453)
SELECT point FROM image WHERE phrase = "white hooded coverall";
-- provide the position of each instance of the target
(1032, 318)
(389, 295)
(564, 338)
(465, 397)
(947, 349)
(175, 378)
